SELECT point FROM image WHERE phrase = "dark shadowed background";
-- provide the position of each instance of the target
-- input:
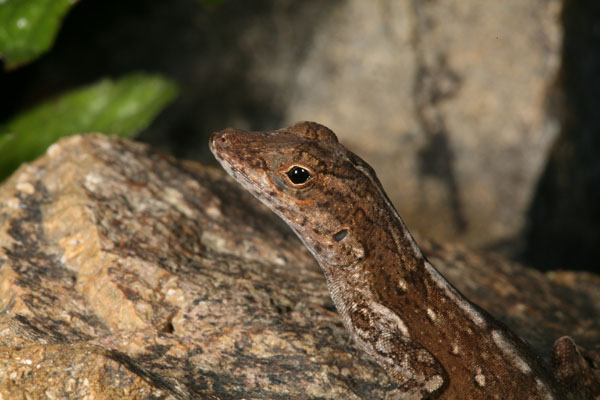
(481, 119)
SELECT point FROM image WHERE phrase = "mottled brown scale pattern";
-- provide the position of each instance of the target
(396, 306)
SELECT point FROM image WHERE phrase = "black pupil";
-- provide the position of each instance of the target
(298, 175)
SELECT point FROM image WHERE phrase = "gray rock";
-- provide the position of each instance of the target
(446, 100)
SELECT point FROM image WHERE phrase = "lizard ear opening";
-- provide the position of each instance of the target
(338, 237)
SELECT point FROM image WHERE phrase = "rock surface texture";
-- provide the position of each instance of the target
(128, 274)
(446, 99)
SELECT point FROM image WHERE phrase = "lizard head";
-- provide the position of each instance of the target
(306, 177)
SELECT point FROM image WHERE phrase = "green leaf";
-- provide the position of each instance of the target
(28, 28)
(123, 107)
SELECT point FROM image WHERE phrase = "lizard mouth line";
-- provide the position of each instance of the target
(248, 183)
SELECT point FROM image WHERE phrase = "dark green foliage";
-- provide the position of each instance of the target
(121, 107)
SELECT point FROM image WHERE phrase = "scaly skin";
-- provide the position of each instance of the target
(395, 304)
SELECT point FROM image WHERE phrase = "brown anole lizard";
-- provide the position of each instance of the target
(395, 304)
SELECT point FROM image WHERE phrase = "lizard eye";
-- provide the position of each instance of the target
(298, 175)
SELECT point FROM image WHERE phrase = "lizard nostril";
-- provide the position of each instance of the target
(218, 139)
(338, 237)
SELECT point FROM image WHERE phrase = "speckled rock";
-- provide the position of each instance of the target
(125, 273)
